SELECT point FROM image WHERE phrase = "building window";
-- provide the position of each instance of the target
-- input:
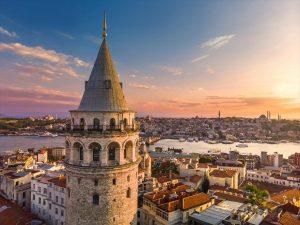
(56, 199)
(78, 180)
(56, 211)
(40, 200)
(96, 199)
(44, 202)
(50, 205)
(50, 195)
(62, 213)
(114, 181)
(69, 193)
(34, 186)
(128, 178)
(39, 189)
(33, 197)
(128, 193)
(62, 201)
(96, 182)
(45, 191)
(24, 194)
(138, 214)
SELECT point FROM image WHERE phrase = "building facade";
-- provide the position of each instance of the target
(102, 151)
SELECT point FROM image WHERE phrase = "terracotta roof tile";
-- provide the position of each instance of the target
(223, 173)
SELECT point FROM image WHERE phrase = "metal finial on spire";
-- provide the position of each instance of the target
(104, 34)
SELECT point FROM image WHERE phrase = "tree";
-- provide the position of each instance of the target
(256, 195)
(205, 185)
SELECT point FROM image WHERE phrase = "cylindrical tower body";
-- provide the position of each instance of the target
(102, 151)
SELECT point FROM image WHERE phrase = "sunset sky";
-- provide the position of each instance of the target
(175, 58)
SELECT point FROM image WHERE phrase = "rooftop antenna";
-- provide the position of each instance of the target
(104, 27)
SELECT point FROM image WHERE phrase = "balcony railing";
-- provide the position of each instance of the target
(101, 128)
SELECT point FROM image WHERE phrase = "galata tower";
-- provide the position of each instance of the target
(102, 151)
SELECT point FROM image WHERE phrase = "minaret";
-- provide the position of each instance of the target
(102, 151)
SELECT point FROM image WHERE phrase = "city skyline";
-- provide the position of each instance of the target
(231, 56)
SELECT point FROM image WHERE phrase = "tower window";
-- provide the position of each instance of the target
(114, 181)
(107, 84)
(96, 182)
(112, 154)
(128, 178)
(81, 154)
(96, 199)
(96, 123)
(112, 123)
(128, 193)
(78, 180)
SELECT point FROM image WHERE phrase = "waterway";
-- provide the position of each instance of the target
(11, 143)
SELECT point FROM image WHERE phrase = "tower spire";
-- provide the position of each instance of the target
(104, 34)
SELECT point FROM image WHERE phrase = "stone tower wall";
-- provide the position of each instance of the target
(114, 183)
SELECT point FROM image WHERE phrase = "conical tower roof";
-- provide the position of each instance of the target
(103, 90)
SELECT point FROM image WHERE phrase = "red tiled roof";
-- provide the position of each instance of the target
(14, 214)
(195, 200)
(288, 195)
(289, 219)
(223, 173)
(59, 181)
(228, 197)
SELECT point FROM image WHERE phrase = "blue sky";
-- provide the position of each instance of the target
(195, 57)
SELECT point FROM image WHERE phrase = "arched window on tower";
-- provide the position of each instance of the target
(95, 199)
(95, 147)
(112, 123)
(113, 149)
(128, 151)
(77, 151)
(82, 123)
(81, 154)
(96, 123)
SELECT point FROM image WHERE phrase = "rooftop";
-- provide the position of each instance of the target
(59, 181)
(12, 214)
(178, 196)
(223, 173)
(103, 90)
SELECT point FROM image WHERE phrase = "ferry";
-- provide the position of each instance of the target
(48, 134)
(214, 151)
(181, 139)
(242, 145)
(227, 142)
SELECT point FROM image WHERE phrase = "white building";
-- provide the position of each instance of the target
(268, 177)
(48, 199)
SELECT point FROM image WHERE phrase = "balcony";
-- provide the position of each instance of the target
(101, 128)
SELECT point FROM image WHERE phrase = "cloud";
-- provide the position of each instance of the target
(7, 33)
(142, 86)
(36, 97)
(46, 70)
(132, 75)
(65, 35)
(217, 42)
(42, 54)
(210, 70)
(176, 71)
(93, 39)
(199, 58)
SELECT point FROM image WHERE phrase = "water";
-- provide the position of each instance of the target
(10, 143)
(286, 149)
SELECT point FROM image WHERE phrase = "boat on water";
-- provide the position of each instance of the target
(48, 134)
(181, 139)
(242, 145)
(227, 142)
(214, 151)
(211, 142)
(190, 139)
